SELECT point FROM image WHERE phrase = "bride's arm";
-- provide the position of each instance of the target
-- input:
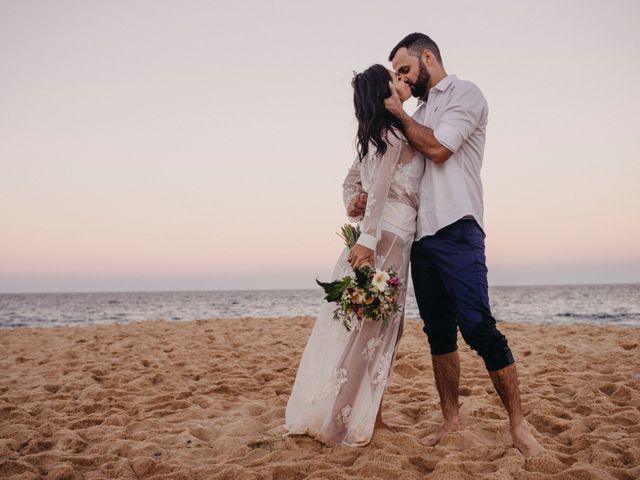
(382, 174)
(351, 189)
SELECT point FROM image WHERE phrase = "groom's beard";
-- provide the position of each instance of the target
(420, 88)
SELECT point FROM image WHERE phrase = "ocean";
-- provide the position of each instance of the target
(572, 304)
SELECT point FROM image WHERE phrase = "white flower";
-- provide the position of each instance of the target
(380, 280)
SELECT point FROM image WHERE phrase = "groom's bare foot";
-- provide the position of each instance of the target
(435, 437)
(524, 441)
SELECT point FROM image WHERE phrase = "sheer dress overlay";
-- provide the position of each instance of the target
(343, 375)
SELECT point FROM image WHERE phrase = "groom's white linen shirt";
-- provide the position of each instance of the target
(457, 113)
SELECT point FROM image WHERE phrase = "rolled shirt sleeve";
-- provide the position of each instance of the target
(463, 113)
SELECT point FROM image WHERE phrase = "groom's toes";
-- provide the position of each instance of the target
(435, 437)
(428, 441)
(530, 450)
(524, 441)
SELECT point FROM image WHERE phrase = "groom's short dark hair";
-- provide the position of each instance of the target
(416, 43)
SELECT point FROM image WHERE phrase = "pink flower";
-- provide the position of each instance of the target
(393, 282)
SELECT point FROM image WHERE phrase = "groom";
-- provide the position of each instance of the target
(448, 259)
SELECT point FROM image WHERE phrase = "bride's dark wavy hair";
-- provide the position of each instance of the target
(370, 88)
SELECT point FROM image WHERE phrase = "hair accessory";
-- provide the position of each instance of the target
(354, 80)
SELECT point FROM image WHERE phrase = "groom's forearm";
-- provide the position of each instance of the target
(422, 139)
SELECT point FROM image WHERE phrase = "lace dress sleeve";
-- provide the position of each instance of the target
(352, 187)
(382, 175)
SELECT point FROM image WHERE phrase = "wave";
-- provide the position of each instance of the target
(600, 316)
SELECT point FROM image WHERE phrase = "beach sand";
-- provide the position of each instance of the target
(205, 399)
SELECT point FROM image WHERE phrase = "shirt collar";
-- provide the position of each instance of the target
(441, 86)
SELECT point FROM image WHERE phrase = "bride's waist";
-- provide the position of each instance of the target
(401, 215)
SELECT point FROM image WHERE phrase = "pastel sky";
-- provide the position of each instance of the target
(202, 144)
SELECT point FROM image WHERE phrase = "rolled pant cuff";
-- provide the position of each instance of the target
(443, 350)
(498, 360)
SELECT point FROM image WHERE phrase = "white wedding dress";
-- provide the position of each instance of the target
(343, 375)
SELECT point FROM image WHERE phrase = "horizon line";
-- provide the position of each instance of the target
(299, 289)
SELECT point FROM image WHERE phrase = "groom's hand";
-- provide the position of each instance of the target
(357, 205)
(393, 103)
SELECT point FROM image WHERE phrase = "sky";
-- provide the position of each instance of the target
(171, 145)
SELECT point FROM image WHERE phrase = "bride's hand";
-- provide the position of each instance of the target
(360, 256)
(393, 103)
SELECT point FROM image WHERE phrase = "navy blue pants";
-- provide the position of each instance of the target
(450, 283)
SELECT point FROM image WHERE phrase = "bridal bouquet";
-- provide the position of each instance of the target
(370, 294)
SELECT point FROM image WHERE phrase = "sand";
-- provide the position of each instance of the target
(205, 399)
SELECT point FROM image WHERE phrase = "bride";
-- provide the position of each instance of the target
(337, 394)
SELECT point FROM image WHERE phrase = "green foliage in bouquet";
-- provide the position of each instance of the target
(335, 289)
(349, 234)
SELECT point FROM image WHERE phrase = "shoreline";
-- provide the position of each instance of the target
(205, 399)
(294, 317)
